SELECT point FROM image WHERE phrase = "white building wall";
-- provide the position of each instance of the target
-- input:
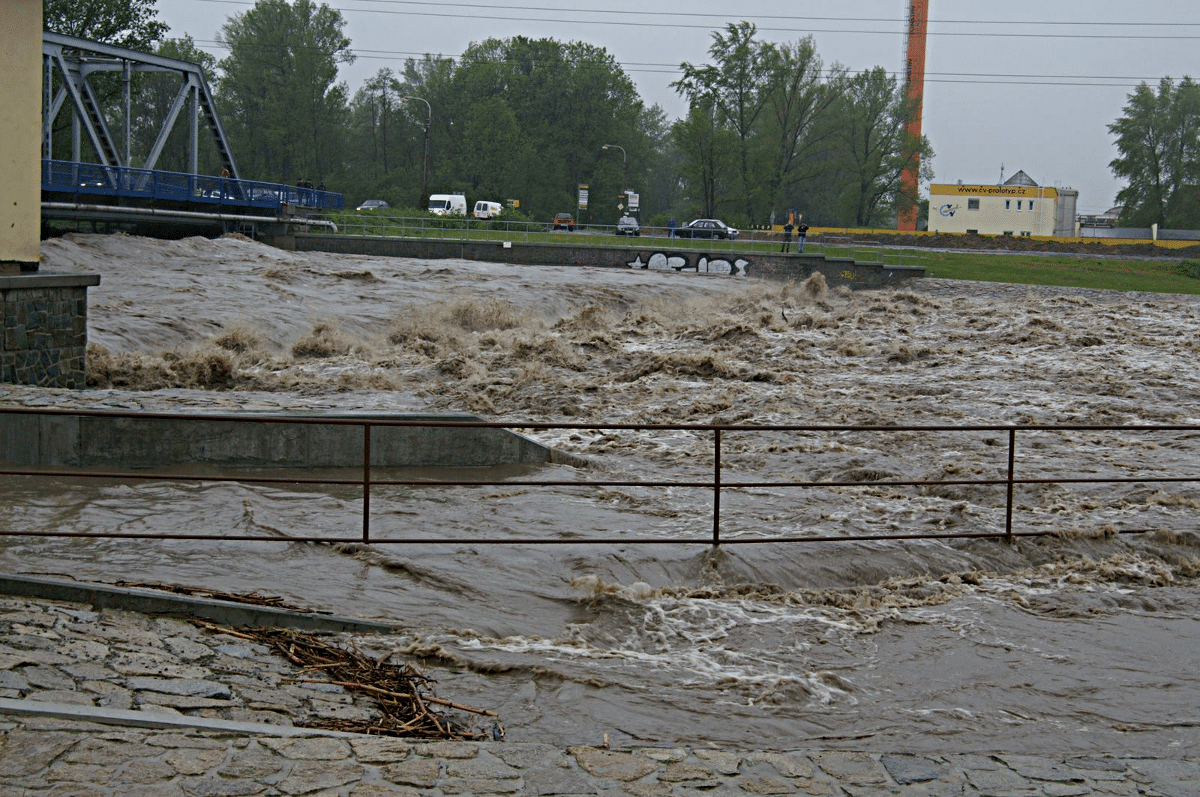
(993, 209)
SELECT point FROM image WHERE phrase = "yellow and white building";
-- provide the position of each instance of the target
(1018, 207)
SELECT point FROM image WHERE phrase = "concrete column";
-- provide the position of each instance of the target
(20, 134)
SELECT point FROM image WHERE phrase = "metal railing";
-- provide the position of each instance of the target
(1008, 479)
(96, 180)
(385, 224)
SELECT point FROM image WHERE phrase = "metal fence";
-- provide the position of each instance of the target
(97, 180)
(385, 224)
(717, 485)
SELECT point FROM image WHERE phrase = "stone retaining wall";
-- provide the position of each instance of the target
(43, 329)
(648, 254)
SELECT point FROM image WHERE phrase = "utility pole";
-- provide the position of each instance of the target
(425, 168)
(624, 166)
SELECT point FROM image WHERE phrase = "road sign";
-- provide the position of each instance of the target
(583, 196)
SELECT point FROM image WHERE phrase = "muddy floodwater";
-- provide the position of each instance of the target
(1083, 641)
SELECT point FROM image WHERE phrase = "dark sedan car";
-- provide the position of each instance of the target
(706, 228)
(628, 225)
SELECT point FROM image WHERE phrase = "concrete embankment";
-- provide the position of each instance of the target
(115, 702)
(110, 439)
(723, 260)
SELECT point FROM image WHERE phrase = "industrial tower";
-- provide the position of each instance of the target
(914, 88)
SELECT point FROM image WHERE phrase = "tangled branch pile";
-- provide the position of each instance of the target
(400, 692)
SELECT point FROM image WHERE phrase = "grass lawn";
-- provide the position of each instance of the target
(1108, 273)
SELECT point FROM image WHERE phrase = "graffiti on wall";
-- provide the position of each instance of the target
(691, 261)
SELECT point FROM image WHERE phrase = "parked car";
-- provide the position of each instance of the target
(487, 210)
(374, 204)
(628, 225)
(706, 228)
(564, 220)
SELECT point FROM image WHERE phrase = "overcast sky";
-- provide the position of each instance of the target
(1016, 84)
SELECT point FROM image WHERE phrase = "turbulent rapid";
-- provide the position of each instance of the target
(1084, 640)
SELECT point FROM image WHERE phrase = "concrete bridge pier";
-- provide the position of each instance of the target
(43, 317)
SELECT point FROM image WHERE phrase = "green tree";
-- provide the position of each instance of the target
(564, 102)
(875, 146)
(280, 101)
(798, 137)
(125, 23)
(151, 103)
(707, 151)
(1158, 138)
(739, 85)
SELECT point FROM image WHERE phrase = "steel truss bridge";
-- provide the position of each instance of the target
(99, 181)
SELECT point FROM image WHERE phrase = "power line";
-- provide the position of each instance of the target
(970, 78)
(897, 30)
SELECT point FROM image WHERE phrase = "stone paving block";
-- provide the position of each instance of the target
(181, 702)
(66, 790)
(422, 773)
(446, 749)
(694, 775)
(195, 741)
(856, 768)
(219, 787)
(255, 761)
(192, 761)
(720, 761)
(70, 698)
(756, 784)
(478, 787)
(790, 765)
(309, 749)
(381, 750)
(86, 649)
(88, 671)
(906, 769)
(43, 677)
(188, 687)
(144, 772)
(382, 790)
(1038, 768)
(611, 764)
(306, 777)
(484, 766)
(187, 649)
(80, 773)
(134, 664)
(25, 752)
(663, 755)
(12, 680)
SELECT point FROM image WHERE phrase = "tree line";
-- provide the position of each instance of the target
(769, 127)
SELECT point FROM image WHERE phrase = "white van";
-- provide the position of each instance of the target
(448, 204)
(487, 210)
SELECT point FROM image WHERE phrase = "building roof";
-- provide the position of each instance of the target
(1020, 178)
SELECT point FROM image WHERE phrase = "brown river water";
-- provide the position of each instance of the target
(1084, 641)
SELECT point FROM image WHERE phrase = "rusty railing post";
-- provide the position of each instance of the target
(1012, 454)
(716, 488)
(366, 517)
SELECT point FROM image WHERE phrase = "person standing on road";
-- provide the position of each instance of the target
(801, 234)
(671, 228)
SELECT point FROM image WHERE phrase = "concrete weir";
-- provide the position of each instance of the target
(129, 440)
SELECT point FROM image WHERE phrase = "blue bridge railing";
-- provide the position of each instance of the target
(73, 177)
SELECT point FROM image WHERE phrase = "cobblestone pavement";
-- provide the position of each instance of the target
(226, 709)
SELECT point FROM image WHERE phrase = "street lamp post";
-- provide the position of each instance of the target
(624, 163)
(425, 167)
